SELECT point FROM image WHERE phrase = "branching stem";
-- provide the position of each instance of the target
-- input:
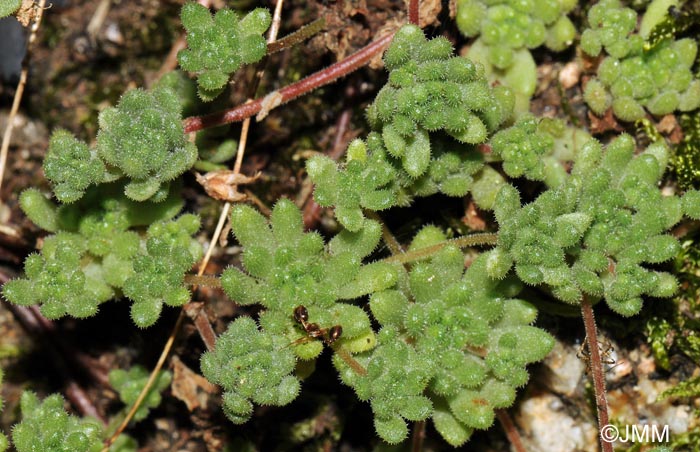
(596, 370)
(290, 92)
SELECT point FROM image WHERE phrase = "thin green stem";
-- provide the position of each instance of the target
(203, 280)
(487, 238)
(389, 239)
(298, 36)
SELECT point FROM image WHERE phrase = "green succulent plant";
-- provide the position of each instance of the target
(159, 271)
(286, 267)
(505, 25)
(431, 90)
(660, 81)
(251, 366)
(96, 254)
(506, 29)
(634, 79)
(129, 383)
(71, 166)
(444, 336)
(46, 426)
(426, 124)
(367, 181)
(451, 337)
(8, 7)
(218, 46)
(142, 137)
(592, 235)
(611, 29)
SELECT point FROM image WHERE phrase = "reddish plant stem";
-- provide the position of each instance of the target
(194, 310)
(81, 401)
(418, 436)
(290, 92)
(339, 140)
(596, 370)
(511, 432)
(413, 11)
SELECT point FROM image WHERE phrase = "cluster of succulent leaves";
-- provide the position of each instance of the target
(537, 149)
(46, 426)
(450, 342)
(8, 7)
(100, 251)
(508, 25)
(506, 30)
(286, 268)
(635, 78)
(426, 124)
(141, 139)
(452, 339)
(218, 46)
(129, 383)
(591, 235)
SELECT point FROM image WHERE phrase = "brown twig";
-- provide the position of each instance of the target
(596, 370)
(413, 11)
(290, 92)
(511, 432)
(201, 322)
(19, 92)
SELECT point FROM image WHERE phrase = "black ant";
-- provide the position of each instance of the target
(327, 335)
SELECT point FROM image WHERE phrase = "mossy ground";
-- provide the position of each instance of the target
(74, 76)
